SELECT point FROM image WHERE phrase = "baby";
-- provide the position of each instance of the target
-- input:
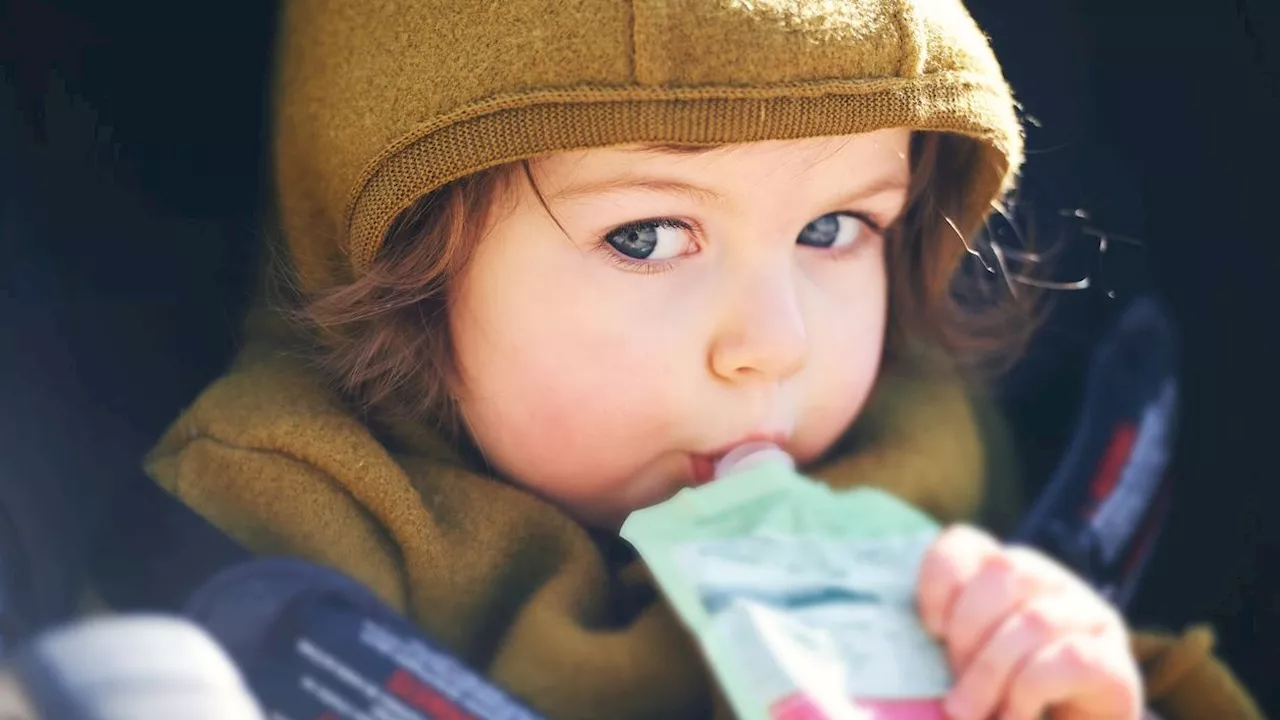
(554, 260)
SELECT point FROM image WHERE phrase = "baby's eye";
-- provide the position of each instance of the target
(650, 240)
(835, 230)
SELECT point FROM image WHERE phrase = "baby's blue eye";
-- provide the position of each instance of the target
(832, 231)
(652, 240)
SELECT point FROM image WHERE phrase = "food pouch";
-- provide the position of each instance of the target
(802, 598)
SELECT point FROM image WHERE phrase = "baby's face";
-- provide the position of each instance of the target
(685, 302)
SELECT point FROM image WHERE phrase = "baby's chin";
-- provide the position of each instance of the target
(654, 483)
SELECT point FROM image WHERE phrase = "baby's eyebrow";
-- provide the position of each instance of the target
(632, 182)
(880, 185)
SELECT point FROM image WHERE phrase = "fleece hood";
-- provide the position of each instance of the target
(379, 103)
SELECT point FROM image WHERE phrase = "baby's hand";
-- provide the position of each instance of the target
(1024, 636)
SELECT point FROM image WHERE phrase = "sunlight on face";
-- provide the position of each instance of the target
(676, 304)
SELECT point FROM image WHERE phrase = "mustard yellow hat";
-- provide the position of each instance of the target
(378, 103)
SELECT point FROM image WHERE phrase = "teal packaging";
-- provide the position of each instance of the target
(801, 597)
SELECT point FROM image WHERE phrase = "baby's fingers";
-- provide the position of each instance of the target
(985, 680)
(949, 567)
(1077, 677)
(1007, 580)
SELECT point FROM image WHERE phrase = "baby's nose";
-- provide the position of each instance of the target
(762, 334)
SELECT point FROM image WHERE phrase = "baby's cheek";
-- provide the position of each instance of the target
(579, 423)
(837, 383)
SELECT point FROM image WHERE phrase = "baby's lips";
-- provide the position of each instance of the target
(749, 455)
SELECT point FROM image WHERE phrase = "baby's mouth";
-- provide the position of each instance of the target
(704, 468)
(703, 465)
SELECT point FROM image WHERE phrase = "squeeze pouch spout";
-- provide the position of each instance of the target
(802, 598)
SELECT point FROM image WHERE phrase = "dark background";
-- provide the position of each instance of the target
(134, 144)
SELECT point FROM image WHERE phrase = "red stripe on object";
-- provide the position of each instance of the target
(1112, 464)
